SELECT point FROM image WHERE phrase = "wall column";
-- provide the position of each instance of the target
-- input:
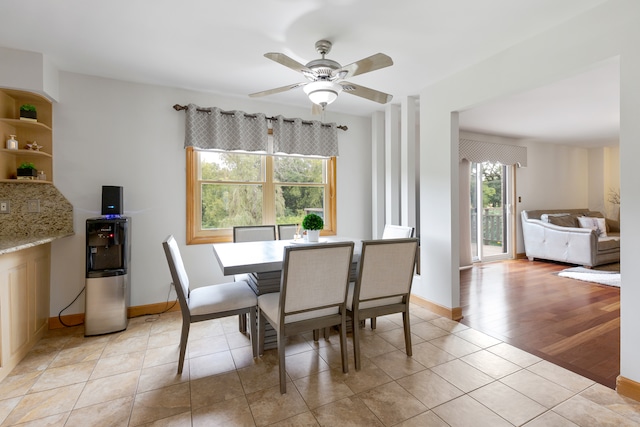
(377, 174)
(408, 161)
(392, 164)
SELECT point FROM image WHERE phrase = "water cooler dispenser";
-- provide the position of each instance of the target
(107, 290)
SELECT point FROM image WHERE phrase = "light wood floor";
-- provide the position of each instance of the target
(570, 323)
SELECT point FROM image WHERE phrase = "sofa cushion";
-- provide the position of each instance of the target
(594, 223)
(545, 217)
(564, 220)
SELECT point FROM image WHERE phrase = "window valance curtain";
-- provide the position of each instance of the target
(291, 136)
(221, 130)
(215, 129)
(480, 152)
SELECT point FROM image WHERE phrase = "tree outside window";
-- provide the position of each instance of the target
(226, 189)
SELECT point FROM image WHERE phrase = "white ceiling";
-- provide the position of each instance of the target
(218, 47)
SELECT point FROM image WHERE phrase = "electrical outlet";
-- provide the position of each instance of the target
(33, 206)
(5, 207)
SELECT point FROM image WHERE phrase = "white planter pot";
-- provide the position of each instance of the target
(313, 235)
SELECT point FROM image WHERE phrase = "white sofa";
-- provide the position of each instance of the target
(568, 242)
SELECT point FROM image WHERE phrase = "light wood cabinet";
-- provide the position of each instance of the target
(24, 303)
(26, 132)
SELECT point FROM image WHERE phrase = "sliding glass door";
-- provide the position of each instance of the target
(491, 226)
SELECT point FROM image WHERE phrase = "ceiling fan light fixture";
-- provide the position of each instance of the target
(322, 92)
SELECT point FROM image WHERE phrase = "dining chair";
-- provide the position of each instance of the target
(254, 233)
(396, 231)
(383, 285)
(287, 231)
(393, 232)
(250, 233)
(313, 291)
(207, 302)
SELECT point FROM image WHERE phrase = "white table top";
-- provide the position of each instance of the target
(259, 257)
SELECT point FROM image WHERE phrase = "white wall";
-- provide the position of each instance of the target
(605, 32)
(109, 132)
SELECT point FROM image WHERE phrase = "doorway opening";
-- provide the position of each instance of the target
(491, 219)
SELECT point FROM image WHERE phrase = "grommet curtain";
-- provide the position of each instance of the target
(221, 130)
(291, 136)
(215, 129)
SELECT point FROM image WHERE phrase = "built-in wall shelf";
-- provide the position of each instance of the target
(27, 132)
(27, 124)
(25, 153)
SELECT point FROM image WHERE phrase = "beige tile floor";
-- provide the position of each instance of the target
(456, 377)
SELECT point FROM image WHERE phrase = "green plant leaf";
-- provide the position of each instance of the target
(312, 222)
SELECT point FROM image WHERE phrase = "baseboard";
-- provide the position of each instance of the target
(450, 313)
(521, 256)
(69, 320)
(136, 311)
(628, 388)
(149, 309)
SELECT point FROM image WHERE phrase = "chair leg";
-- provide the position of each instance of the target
(373, 323)
(356, 341)
(343, 345)
(283, 372)
(253, 331)
(242, 323)
(407, 332)
(316, 334)
(261, 327)
(184, 336)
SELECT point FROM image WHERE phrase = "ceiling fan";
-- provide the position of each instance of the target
(325, 77)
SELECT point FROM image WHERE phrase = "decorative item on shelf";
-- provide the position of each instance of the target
(42, 176)
(12, 143)
(28, 112)
(32, 146)
(313, 223)
(27, 170)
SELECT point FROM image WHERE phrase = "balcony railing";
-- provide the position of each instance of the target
(492, 227)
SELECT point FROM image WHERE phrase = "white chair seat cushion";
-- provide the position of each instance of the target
(270, 305)
(219, 298)
(369, 304)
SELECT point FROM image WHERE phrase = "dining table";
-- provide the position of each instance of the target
(261, 263)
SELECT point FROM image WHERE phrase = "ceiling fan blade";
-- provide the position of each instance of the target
(365, 92)
(277, 90)
(283, 59)
(372, 63)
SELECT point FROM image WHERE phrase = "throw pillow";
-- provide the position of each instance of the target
(597, 224)
(546, 217)
(563, 221)
(597, 214)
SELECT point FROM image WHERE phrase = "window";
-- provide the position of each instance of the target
(225, 189)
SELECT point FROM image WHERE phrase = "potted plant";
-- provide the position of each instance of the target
(313, 224)
(28, 112)
(27, 170)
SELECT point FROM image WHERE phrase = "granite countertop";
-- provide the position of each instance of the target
(14, 244)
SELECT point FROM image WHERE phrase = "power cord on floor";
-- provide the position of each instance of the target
(60, 313)
(167, 309)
